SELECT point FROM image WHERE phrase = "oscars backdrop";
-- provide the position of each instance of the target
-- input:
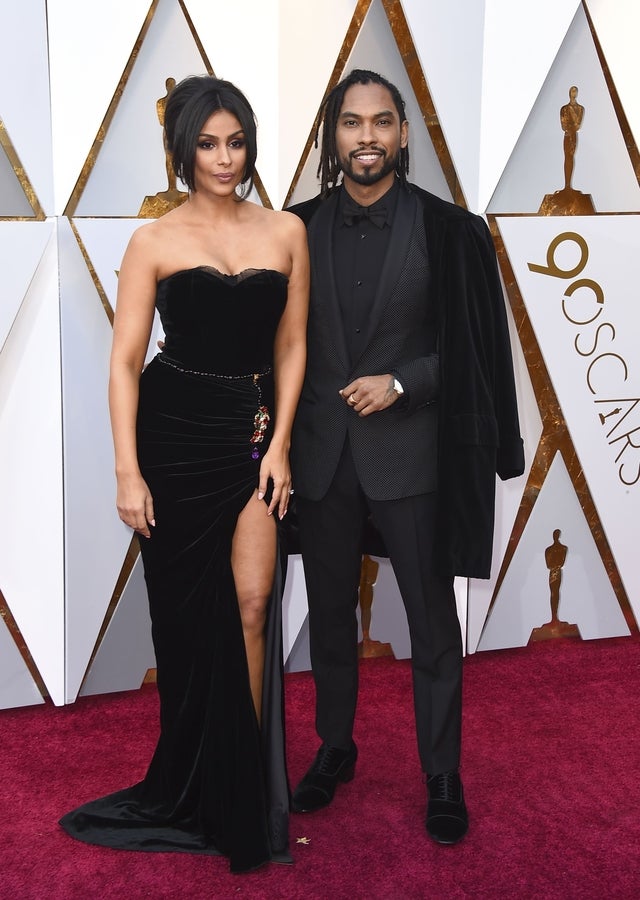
(527, 113)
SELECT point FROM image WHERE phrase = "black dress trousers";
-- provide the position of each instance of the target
(332, 542)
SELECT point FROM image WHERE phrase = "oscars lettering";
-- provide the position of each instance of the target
(607, 372)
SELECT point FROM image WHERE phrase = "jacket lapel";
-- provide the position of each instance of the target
(324, 292)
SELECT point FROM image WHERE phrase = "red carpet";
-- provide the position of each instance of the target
(551, 766)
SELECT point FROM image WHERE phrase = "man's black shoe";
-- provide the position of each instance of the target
(447, 819)
(318, 786)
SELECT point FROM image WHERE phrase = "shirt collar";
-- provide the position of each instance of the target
(381, 212)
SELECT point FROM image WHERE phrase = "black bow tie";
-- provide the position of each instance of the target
(354, 213)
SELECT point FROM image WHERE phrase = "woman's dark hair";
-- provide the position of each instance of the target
(329, 168)
(189, 105)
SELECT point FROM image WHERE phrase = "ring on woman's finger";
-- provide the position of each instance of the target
(292, 491)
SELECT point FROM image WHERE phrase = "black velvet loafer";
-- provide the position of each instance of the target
(447, 818)
(331, 767)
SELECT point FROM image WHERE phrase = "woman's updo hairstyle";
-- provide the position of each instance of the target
(192, 101)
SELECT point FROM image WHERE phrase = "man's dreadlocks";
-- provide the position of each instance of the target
(329, 168)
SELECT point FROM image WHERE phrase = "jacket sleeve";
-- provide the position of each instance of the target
(510, 458)
(481, 395)
(420, 379)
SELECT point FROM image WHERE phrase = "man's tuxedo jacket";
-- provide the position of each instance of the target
(458, 424)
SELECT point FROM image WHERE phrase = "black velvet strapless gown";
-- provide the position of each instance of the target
(217, 782)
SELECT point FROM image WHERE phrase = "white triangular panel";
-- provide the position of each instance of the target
(617, 26)
(580, 304)
(294, 604)
(21, 247)
(448, 39)
(128, 169)
(17, 687)
(299, 659)
(86, 64)
(521, 41)
(14, 203)
(126, 652)
(31, 512)
(105, 241)
(96, 539)
(310, 39)
(586, 596)
(24, 85)
(484, 63)
(602, 167)
(258, 83)
(376, 44)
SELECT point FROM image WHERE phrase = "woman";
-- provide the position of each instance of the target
(201, 445)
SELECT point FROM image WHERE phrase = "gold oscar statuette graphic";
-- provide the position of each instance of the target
(555, 556)
(568, 201)
(160, 203)
(368, 648)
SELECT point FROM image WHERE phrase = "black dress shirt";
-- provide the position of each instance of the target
(359, 250)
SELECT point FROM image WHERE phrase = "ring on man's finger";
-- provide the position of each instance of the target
(352, 400)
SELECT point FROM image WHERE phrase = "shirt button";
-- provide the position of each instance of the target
(359, 283)
(357, 331)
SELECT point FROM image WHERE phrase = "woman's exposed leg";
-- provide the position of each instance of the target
(253, 557)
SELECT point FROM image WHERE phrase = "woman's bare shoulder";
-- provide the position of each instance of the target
(154, 237)
(146, 235)
(285, 222)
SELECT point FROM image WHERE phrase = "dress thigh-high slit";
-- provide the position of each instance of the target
(217, 782)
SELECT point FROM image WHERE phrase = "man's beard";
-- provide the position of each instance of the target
(390, 164)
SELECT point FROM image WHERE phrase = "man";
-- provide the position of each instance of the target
(407, 411)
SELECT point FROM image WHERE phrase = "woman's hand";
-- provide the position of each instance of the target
(275, 465)
(135, 503)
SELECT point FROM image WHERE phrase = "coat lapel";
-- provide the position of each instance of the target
(324, 291)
